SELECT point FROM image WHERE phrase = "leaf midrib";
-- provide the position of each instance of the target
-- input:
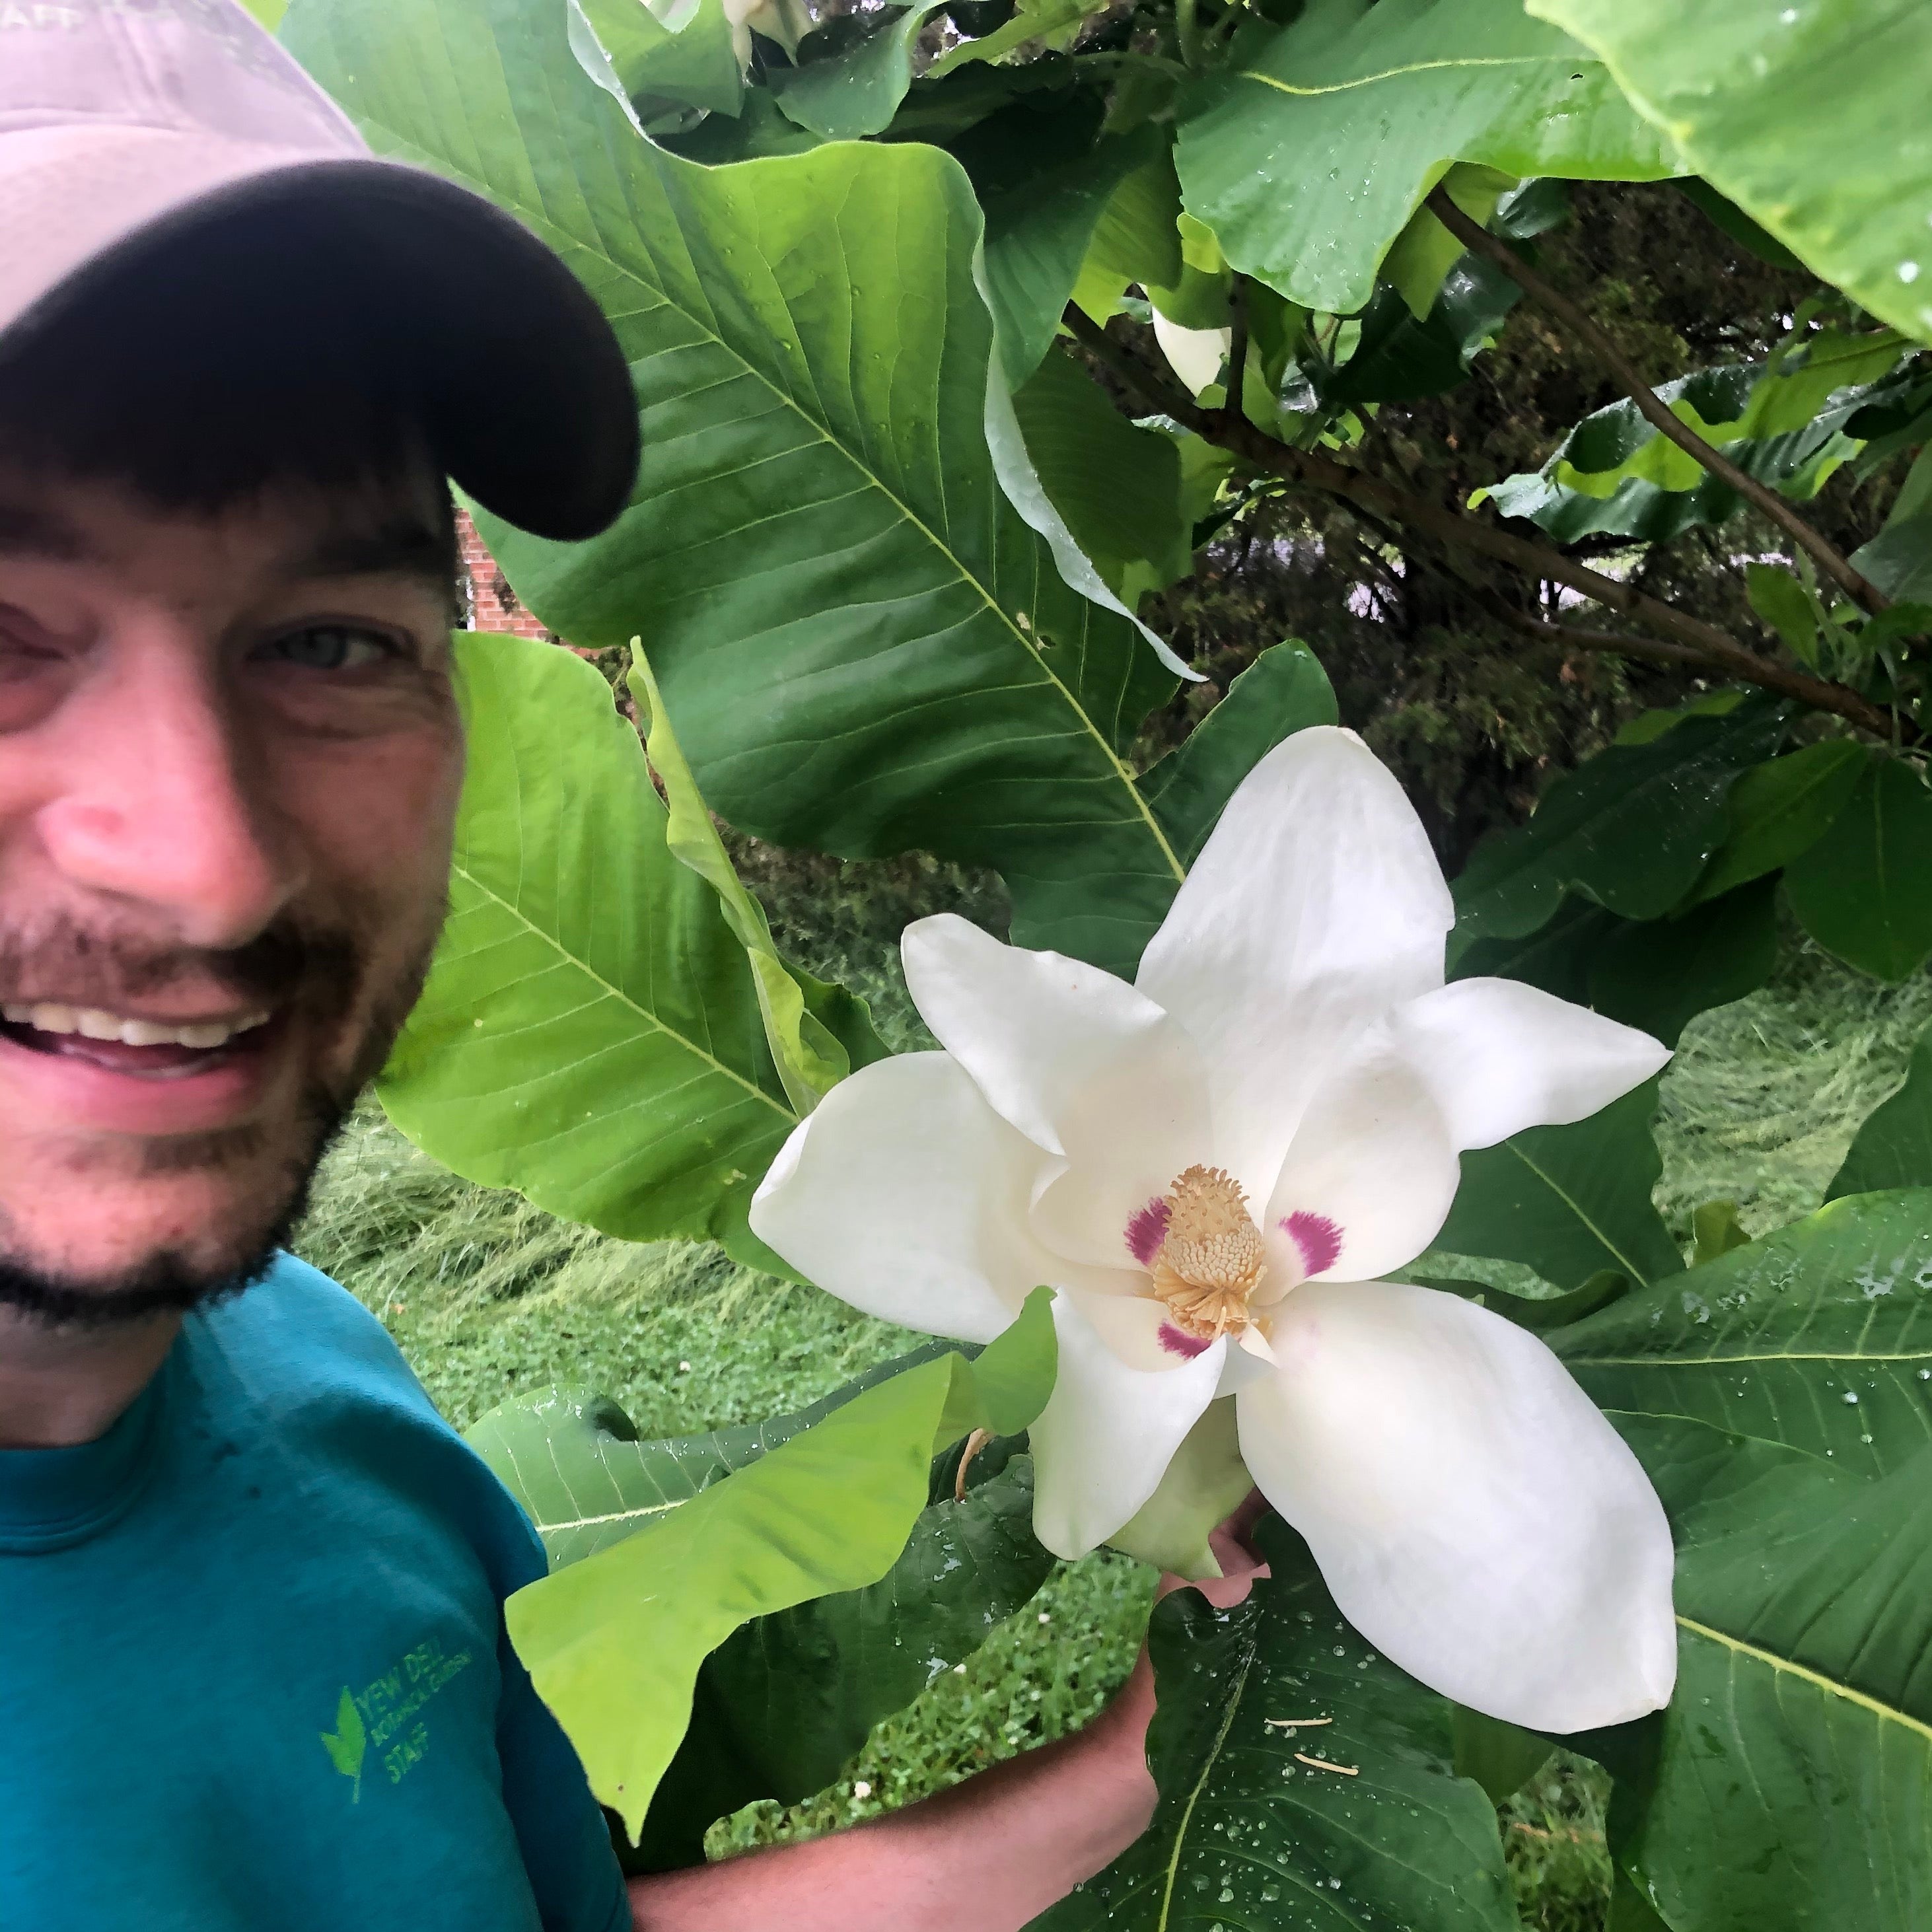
(650, 1020)
(1788, 1666)
(1752, 1361)
(1200, 1784)
(539, 221)
(1569, 1201)
(557, 1527)
(1416, 66)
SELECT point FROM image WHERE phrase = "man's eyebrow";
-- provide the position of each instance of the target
(28, 532)
(403, 546)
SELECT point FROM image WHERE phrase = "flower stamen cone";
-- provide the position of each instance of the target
(1211, 1258)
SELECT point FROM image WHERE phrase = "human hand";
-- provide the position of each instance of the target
(1241, 1565)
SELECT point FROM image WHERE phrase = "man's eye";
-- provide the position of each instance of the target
(332, 647)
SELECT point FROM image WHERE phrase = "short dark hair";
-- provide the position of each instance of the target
(157, 384)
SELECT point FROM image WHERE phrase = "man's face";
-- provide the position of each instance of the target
(230, 758)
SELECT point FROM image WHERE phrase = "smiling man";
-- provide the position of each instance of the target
(253, 1671)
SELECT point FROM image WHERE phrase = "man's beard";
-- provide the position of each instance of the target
(311, 973)
(170, 1283)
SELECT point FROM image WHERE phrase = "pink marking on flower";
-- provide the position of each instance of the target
(1146, 1230)
(1176, 1343)
(1318, 1237)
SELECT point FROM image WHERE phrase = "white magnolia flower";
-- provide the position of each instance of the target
(786, 21)
(1212, 1167)
(1194, 355)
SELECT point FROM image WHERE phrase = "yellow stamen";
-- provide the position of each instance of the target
(1210, 1257)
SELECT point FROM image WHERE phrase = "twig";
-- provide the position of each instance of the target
(975, 1443)
(1322, 1764)
(1293, 1724)
(1707, 647)
(1478, 239)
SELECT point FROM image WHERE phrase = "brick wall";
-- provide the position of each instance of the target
(493, 604)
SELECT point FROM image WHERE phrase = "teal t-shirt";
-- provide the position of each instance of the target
(252, 1671)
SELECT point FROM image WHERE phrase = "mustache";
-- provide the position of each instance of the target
(293, 961)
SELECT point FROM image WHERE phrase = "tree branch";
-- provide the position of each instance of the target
(1708, 647)
(1653, 650)
(1478, 239)
(1237, 349)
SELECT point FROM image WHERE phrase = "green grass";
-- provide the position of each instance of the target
(1766, 1094)
(489, 1296)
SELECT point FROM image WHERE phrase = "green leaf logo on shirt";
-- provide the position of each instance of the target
(346, 1744)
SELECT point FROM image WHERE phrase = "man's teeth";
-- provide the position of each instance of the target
(91, 1023)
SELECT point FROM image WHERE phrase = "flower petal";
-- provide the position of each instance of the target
(1315, 906)
(1077, 1061)
(1194, 355)
(905, 1194)
(1499, 1057)
(1368, 1177)
(1103, 1443)
(1474, 1516)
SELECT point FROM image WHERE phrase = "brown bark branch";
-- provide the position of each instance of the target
(1478, 239)
(1653, 649)
(1708, 647)
(1232, 410)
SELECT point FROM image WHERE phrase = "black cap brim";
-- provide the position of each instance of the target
(521, 385)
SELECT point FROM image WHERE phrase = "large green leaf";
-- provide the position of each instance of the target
(1631, 828)
(573, 1461)
(1816, 1338)
(614, 1643)
(1894, 1147)
(591, 1034)
(684, 58)
(1052, 24)
(856, 90)
(1811, 118)
(1570, 1202)
(1118, 486)
(1780, 810)
(1283, 691)
(1249, 1833)
(1778, 1396)
(1045, 196)
(809, 1054)
(1658, 974)
(783, 1702)
(1308, 156)
(1399, 357)
(1863, 889)
(1137, 239)
(1792, 1769)
(1899, 558)
(865, 646)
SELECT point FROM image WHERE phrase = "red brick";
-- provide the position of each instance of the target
(493, 604)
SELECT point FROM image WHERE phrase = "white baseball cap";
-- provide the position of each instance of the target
(149, 144)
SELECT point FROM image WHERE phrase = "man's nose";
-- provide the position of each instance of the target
(163, 800)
